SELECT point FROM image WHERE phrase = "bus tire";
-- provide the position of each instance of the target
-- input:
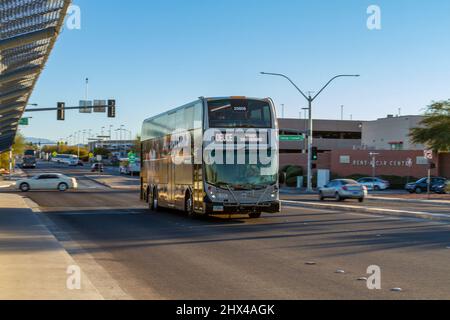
(154, 206)
(255, 215)
(189, 204)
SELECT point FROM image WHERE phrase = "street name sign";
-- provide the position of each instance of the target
(291, 138)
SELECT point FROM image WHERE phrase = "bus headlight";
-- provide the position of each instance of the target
(212, 193)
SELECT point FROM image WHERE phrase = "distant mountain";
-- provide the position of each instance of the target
(39, 140)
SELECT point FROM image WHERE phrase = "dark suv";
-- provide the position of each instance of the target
(422, 185)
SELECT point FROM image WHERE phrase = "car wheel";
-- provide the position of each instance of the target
(361, 200)
(418, 190)
(24, 187)
(255, 215)
(321, 197)
(338, 197)
(377, 188)
(63, 187)
(189, 204)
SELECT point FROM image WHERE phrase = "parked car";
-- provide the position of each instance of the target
(441, 188)
(421, 185)
(47, 181)
(343, 189)
(375, 184)
(97, 167)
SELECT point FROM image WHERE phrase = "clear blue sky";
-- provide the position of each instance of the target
(158, 54)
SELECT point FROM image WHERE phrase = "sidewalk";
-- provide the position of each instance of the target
(33, 264)
(115, 182)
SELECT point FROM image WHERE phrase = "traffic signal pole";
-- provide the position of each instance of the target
(61, 109)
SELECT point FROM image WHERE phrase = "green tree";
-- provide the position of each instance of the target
(18, 149)
(137, 145)
(105, 153)
(435, 128)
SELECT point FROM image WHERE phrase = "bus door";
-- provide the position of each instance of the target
(198, 188)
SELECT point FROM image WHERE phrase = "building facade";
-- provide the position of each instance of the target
(116, 147)
(345, 147)
(391, 133)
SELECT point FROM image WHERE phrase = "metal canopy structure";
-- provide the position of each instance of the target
(28, 31)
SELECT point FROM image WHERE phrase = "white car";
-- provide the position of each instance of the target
(374, 184)
(47, 181)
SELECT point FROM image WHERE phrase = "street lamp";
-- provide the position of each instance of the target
(310, 100)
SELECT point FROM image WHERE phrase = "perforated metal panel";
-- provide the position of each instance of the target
(28, 31)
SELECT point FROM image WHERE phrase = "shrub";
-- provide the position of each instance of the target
(291, 174)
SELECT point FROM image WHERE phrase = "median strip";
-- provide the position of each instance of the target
(381, 211)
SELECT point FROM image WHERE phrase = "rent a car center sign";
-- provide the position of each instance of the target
(384, 163)
(398, 163)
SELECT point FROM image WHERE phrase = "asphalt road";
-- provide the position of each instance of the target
(166, 255)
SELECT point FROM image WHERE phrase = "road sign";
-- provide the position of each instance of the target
(290, 138)
(24, 122)
(428, 154)
(91, 155)
(100, 106)
(54, 154)
(86, 106)
(132, 157)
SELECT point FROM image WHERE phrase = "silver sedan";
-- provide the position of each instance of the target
(343, 189)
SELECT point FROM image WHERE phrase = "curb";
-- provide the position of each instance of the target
(434, 202)
(379, 211)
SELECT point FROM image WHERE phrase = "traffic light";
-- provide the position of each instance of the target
(61, 111)
(314, 154)
(111, 108)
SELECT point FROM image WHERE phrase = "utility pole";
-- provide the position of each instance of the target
(310, 100)
(87, 89)
(10, 163)
(342, 113)
(282, 110)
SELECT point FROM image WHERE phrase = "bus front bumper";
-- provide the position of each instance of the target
(228, 208)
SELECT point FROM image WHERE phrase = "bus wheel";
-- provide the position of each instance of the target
(189, 204)
(255, 215)
(154, 201)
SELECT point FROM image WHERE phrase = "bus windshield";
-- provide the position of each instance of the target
(239, 113)
(243, 176)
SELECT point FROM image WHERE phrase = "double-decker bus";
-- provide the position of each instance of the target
(212, 156)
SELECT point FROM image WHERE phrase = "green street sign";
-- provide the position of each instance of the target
(292, 138)
(24, 122)
(132, 158)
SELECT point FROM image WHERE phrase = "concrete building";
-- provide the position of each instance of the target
(391, 133)
(328, 135)
(121, 147)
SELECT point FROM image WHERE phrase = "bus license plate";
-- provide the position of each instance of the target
(218, 209)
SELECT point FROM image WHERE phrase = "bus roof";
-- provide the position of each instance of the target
(204, 99)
